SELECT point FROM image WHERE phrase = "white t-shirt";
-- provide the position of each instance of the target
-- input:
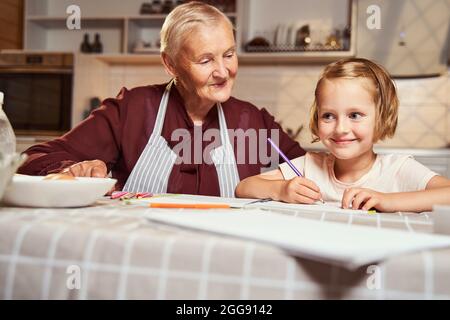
(389, 173)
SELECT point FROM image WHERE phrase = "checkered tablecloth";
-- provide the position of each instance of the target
(111, 251)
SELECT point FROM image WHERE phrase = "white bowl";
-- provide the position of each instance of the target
(34, 191)
(8, 167)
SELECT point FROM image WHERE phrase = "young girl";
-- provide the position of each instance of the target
(355, 106)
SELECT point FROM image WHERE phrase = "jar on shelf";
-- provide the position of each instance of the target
(157, 6)
(85, 46)
(97, 46)
(167, 6)
(179, 2)
(146, 8)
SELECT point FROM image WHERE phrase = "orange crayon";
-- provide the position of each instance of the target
(189, 205)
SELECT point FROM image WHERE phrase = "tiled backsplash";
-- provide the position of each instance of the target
(287, 92)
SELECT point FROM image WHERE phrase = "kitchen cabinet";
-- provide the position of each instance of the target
(128, 36)
(120, 25)
(11, 22)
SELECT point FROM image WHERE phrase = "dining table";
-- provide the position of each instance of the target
(112, 250)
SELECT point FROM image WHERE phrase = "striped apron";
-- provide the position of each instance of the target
(152, 170)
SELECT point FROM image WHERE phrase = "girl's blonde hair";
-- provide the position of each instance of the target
(385, 96)
(183, 20)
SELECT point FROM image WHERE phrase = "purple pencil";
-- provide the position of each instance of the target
(285, 158)
(290, 164)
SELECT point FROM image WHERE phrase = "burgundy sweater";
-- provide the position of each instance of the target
(119, 129)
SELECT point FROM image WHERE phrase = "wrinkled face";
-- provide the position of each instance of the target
(207, 63)
(346, 117)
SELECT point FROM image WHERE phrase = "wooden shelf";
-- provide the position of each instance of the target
(244, 58)
(147, 22)
(86, 22)
(293, 58)
(148, 17)
(130, 59)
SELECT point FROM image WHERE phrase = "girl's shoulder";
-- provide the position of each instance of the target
(409, 174)
(391, 160)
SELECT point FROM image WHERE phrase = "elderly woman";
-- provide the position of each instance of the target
(135, 137)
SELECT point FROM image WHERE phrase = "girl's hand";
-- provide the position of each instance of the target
(299, 190)
(366, 199)
(91, 168)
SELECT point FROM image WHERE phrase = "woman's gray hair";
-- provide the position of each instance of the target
(183, 20)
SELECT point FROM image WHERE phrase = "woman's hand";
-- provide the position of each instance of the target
(366, 199)
(91, 168)
(299, 190)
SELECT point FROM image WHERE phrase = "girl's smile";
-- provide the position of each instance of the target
(342, 142)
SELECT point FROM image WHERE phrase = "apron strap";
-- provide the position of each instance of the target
(162, 110)
(224, 160)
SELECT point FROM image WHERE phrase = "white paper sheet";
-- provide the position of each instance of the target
(328, 207)
(349, 246)
(333, 207)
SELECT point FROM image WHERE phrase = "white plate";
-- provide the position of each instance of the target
(34, 191)
(281, 35)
